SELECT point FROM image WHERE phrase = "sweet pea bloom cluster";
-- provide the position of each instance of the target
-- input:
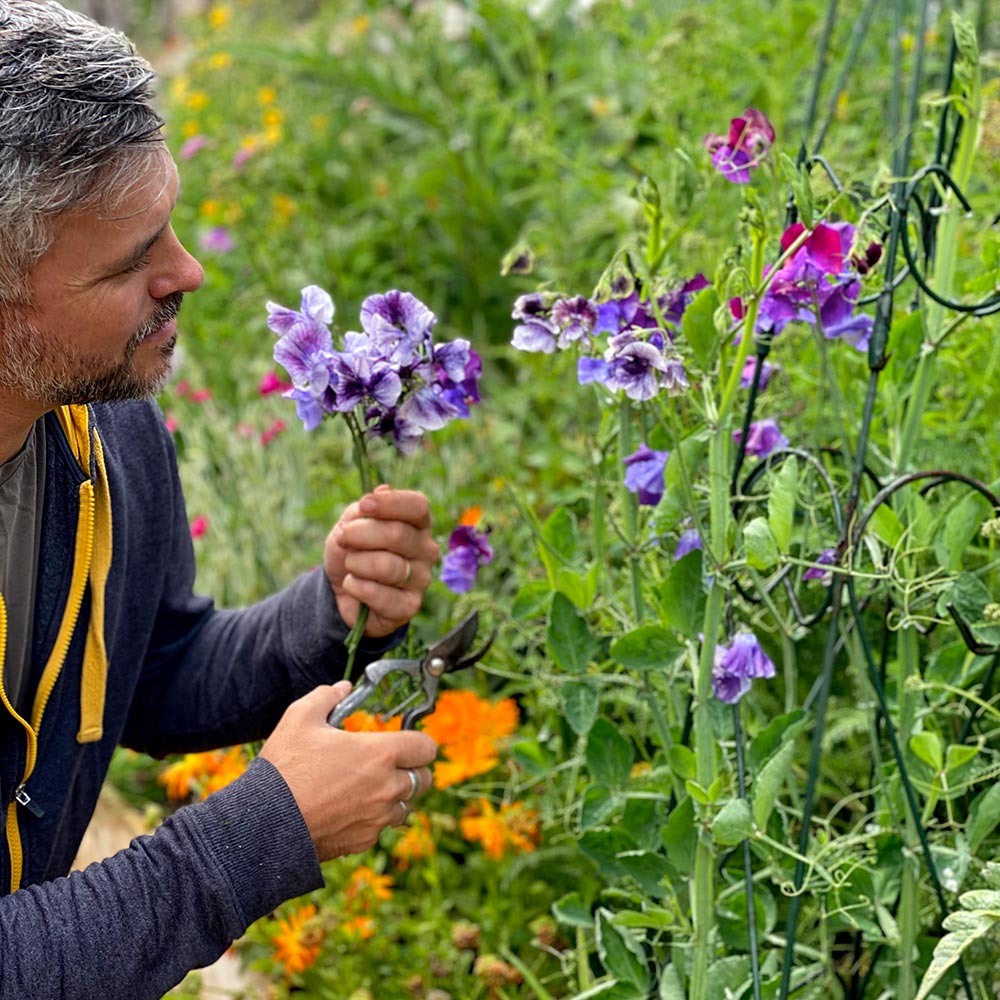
(638, 358)
(818, 283)
(392, 375)
(743, 148)
(736, 666)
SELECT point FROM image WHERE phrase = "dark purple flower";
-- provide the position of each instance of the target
(468, 550)
(826, 558)
(360, 378)
(765, 436)
(644, 474)
(688, 542)
(737, 664)
(575, 319)
(674, 305)
(428, 408)
(766, 371)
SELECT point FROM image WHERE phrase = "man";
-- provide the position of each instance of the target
(101, 640)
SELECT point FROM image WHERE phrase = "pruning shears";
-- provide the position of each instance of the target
(410, 687)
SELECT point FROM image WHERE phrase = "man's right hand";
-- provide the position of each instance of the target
(348, 786)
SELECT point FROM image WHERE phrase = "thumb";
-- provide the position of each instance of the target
(321, 701)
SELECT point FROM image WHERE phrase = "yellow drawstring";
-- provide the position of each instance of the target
(93, 561)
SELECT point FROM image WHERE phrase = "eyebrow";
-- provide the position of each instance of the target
(116, 267)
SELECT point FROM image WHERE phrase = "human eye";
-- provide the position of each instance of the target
(137, 265)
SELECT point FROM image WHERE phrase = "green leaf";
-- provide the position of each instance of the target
(958, 755)
(680, 837)
(683, 762)
(651, 917)
(781, 503)
(689, 455)
(569, 639)
(570, 910)
(604, 846)
(769, 782)
(671, 987)
(927, 747)
(681, 596)
(597, 805)
(648, 868)
(531, 601)
(733, 823)
(984, 815)
(620, 953)
(964, 929)
(727, 976)
(649, 647)
(557, 545)
(784, 727)
(580, 588)
(609, 754)
(580, 703)
(699, 329)
(959, 528)
(761, 548)
(886, 525)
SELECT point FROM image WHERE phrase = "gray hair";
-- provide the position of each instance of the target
(76, 105)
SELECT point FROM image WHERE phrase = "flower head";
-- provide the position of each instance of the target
(764, 437)
(744, 147)
(737, 665)
(297, 940)
(644, 474)
(416, 843)
(468, 550)
(511, 827)
(826, 558)
(688, 542)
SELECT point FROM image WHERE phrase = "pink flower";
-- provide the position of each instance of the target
(183, 387)
(271, 383)
(199, 526)
(192, 146)
(217, 240)
(201, 395)
(242, 155)
(172, 423)
(270, 433)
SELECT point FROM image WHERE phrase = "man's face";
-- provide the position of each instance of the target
(101, 325)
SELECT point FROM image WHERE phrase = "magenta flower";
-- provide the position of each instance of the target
(270, 383)
(468, 550)
(737, 665)
(764, 437)
(192, 147)
(199, 526)
(744, 147)
(644, 474)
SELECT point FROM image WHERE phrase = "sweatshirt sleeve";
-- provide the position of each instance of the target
(131, 927)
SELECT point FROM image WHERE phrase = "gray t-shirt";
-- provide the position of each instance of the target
(22, 490)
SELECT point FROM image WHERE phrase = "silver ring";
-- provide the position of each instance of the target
(406, 812)
(414, 782)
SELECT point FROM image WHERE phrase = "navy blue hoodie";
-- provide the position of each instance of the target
(181, 676)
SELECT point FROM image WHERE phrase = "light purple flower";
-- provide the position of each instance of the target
(359, 378)
(398, 324)
(575, 319)
(644, 474)
(192, 147)
(826, 558)
(737, 665)
(591, 370)
(468, 550)
(634, 366)
(688, 542)
(766, 371)
(218, 239)
(304, 347)
(764, 437)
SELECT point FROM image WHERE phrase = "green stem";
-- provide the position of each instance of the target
(363, 465)
(907, 666)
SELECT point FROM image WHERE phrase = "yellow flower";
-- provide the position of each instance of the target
(319, 123)
(203, 772)
(219, 15)
(359, 928)
(180, 778)
(266, 96)
(272, 117)
(273, 134)
(296, 943)
(220, 60)
(360, 25)
(468, 730)
(191, 128)
(284, 207)
(209, 208)
(513, 826)
(416, 843)
(179, 87)
(366, 887)
(197, 101)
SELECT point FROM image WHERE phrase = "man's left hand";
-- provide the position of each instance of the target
(380, 553)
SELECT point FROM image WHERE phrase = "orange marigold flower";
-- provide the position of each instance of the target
(416, 843)
(468, 730)
(366, 887)
(365, 722)
(359, 928)
(512, 826)
(227, 768)
(296, 944)
(471, 515)
(203, 772)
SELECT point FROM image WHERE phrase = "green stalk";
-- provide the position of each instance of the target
(363, 465)
(907, 666)
(630, 504)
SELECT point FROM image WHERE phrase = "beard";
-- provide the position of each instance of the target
(29, 367)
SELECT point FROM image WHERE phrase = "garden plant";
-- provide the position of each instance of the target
(728, 497)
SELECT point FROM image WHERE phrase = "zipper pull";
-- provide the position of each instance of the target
(24, 799)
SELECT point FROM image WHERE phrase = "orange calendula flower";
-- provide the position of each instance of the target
(513, 826)
(416, 843)
(367, 887)
(471, 516)
(468, 730)
(365, 722)
(227, 768)
(203, 773)
(296, 942)
(359, 928)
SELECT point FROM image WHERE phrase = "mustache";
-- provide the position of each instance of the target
(167, 310)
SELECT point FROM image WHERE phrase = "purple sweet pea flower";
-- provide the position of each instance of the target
(218, 239)
(575, 319)
(826, 558)
(737, 664)
(744, 148)
(398, 324)
(360, 378)
(644, 474)
(688, 542)
(766, 371)
(591, 370)
(640, 369)
(675, 304)
(304, 347)
(468, 550)
(765, 436)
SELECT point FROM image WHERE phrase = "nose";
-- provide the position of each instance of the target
(181, 272)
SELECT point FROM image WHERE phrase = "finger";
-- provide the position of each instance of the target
(417, 781)
(397, 505)
(415, 750)
(398, 536)
(388, 568)
(324, 699)
(392, 604)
